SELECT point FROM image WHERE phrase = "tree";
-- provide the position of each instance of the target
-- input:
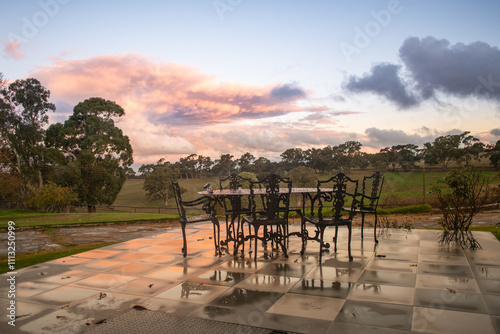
(158, 184)
(292, 158)
(244, 162)
(97, 152)
(494, 152)
(303, 176)
(23, 115)
(225, 165)
(458, 148)
(403, 155)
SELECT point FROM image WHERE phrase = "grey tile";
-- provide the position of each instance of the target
(325, 288)
(450, 300)
(444, 270)
(388, 278)
(426, 320)
(492, 303)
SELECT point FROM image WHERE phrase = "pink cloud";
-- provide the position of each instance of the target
(12, 50)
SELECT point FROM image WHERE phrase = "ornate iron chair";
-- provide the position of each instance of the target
(368, 199)
(335, 191)
(234, 206)
(207, 204)
(269, 209)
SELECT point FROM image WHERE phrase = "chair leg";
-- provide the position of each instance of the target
(349, 227)
(362, 223)
(184, 241)
(336, 234)
(215, 222)
(375, 229)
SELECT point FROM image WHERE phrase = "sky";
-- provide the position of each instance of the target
(212, 77)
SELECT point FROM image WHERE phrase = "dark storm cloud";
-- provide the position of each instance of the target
(387, 138)
(434, 65)
(495, 132)
(287, 92)
(383, 80)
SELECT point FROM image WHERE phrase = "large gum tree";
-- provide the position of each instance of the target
(96, 152)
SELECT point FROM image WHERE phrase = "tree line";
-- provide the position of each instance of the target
(83, 161)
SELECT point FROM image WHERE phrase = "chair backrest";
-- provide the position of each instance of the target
(207, 203)
(337, 190)
(371, 190)
(234, 182)
(271, 194)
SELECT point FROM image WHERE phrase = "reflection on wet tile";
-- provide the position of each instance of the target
(193, 292)
(461, 284)
(450, 300)
(388, 278)
(104, 281)
(345, 263)
(98, 254)
(376, 314)
(487, 272)
(392, 265)
(107, 304)
(70, 260)
(199, 262)
(220, 277)
(28, 289)
(335, 274)
(161, 258)
(246, 299)
(264, 282)
(59, 321)
(174, 273)
(144, 286)
(321, 308)
(170, 306)
(444, 270)
(131, 256)
(63, 295)
(99, 265)
(427, 320)
(446, 259)
(285, 269)
(324, 288)
(67, 277)
(382, 293)
(135, 269)
(489, 286)
(492, 303)
(345, 328)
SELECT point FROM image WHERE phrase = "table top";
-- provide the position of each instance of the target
(246, 191)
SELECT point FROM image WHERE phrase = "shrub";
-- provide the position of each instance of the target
(52, 197)
(463, 195)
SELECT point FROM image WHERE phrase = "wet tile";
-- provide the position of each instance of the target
(193, 292)
(444, 270)
(220, 277)
(428, 320)
(489, 286)
(376, 314)
(174, 273)
(388, 278)
(67, 277)
(392, 265)
(70, 260)
(199, 262)
(345, 328)
(63, 295)
(246, 300)
(263, 282)
(135, 269)
(335, 274)
(337, 262)
(106, 304)
(484, 258)
(492, 303)
(443, 259)
(144, 287)
(28, 289)
(59, 321)
(496, 323)
(286, 269)
(315, 307)
(170, 306)
(446, 299)
(484, 272)
(382, 293)
(98, 254)
(460, 284)
(161, 258)
(324, 288)
(131, 256)
(99, 265)
(240, 265)
(104, 281)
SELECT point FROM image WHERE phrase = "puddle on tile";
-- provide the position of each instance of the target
(264, 282)
(220, 277)
(315, 307)
(388, 278)
(427, 320)
(193, 292)
(450, 300)
(63, 295)
(444, 270)
(104, 281)
(246, 299)
(144, 286)
(335, 274)
(174, 273)
(135, 269)
(376, 314)
(461, 284)
(382, 293)
(324, 288)
(286, 270)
